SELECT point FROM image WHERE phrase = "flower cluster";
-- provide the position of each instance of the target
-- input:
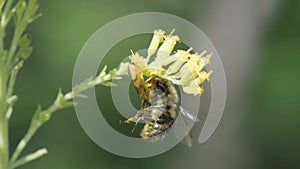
(181, 67)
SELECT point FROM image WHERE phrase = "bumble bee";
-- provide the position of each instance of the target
(160, 106)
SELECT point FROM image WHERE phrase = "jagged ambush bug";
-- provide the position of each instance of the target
(154, 81)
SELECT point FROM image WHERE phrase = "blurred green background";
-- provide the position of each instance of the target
(268, 128)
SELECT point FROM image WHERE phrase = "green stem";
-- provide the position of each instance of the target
(35, 124)
(2, 25)
(6, 10)
(14, 44)
(4, 150)
(3, 120)
(5, 13)
(22, 144)
(3, 142)
(12, 79)
(1, 3)
(30, 157)
(41, 116)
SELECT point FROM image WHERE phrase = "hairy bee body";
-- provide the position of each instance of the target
(161, 105)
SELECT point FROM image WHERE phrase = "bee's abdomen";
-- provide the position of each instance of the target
(157, 129)
(161, 92)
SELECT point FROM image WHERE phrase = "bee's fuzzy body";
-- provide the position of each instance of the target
(161, 103)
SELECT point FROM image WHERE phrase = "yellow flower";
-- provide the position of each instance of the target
(202, 77)
(204, 60)
(168, 45)
(182, 55)
(186, 75)
(181, 68)
(194, 84)
(178, 59)
(193, 89)
(193, 64)
(139, 62)
(156, 40)
(153, 72)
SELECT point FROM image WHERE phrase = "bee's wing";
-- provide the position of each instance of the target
(188, 115)
(157, 97)
(154, 107)
(147, 113)
(183, 126)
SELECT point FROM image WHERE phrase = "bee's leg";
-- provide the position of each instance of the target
(130, 120)
(133, 128)
(133, 119)
(145, 118)
(140, 115)
(136, 120)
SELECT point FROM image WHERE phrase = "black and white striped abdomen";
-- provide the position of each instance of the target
(162, 107)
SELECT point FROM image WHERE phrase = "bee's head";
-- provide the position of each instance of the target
(158, 83)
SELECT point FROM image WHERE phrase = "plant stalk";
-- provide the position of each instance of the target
(4, 155)
(3, 142)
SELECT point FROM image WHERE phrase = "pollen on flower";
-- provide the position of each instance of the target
(182, 67)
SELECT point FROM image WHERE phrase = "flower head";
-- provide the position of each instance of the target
(182, 68)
